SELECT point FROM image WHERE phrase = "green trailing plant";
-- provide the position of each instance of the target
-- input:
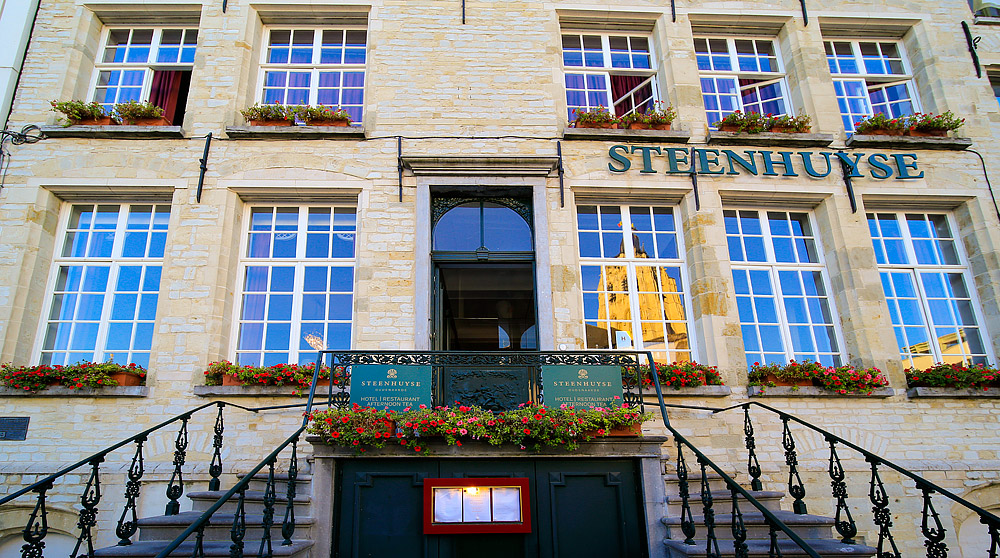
(799, 124)
(297, 375)
(746, 122)
(879, 121)
(660, 113)
(130, 111)
(946, 121)
(75, 111)
(74, 376)
(322, 114)
(676, 375)
(530, 426)
(957, 376)
(839, 379)
(598, 115)
(269, 112)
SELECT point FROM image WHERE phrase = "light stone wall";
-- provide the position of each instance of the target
(454, 91)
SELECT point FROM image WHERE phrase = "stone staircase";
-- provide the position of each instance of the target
(817, 531)
(156, 532)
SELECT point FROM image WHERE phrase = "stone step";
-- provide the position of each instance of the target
(722, 501)
(827, 548)
(715, 481)
(805, 525)
(253, 501)
(298, 549)
(169, 527)
(259, 482)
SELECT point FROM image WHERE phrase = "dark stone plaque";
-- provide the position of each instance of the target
(497, 389)
(14, 429)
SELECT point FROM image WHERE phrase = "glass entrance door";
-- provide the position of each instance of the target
(486, 306)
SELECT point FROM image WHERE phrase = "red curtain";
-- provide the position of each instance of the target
(620, 85)
(166, 88)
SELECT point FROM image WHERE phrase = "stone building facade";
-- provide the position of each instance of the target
(469, 103)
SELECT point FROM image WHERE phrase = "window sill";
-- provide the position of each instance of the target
(113, 132)
(770, 138)
(118, 391)
(986, 20)
(859, 140)
(612, 134)
(698, 391)
(813, 391)
(261, 391)
(295, 132)
(954, 393)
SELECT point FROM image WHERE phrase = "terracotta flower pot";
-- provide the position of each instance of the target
(160, 121)
(126, 378)
(230, 380)
(604, 125)
(328, 123)
(638, 126)
(729, 128)
(270, 122)
(660, 126)
(882, 132)
(631, 430)
(788, 130)
(927, 133)
(103, 121)
(771, 378)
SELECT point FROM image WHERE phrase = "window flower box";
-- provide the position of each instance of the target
(954, 380)
(841, 380)
(679, 376)
(82, 375)
(225, 373)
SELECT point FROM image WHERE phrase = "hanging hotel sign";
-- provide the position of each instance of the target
(582, 387)
(390, 387)
(761, 162)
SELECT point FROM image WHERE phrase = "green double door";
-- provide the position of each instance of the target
(579, 508)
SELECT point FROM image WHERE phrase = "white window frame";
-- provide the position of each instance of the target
(607, 70)
(631, 262)
(114, 262)
(299, 263)
(149, 66)
(314, 67)
(871, 81)
(773, 268)
(736, 74)
(914, 269)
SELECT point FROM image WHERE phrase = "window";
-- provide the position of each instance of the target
(740, 75)
(315, 67)
(984, 11)
(614, 71)
(870, 77)
(297, 279)
(927, 286)
(106, 284)
(146, 65)
(781, 288)
(995, 84)
(633, 292)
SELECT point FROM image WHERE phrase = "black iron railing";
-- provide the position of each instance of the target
(930, 525)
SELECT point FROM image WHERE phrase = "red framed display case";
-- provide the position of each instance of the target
(476, 505)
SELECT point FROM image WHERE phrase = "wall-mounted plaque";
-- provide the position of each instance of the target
(476, 505)
(390, 387)
(582, 386)
(14, 429)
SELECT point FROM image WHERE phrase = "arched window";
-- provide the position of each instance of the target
(463, 225)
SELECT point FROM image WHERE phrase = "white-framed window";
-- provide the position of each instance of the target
(928, 288)
(870, 77)
(616, 71)
(634, 291)
(782, 291)
(145, 64)
(296, 279)
(741, 74)
(105, 284)
(318, 66)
